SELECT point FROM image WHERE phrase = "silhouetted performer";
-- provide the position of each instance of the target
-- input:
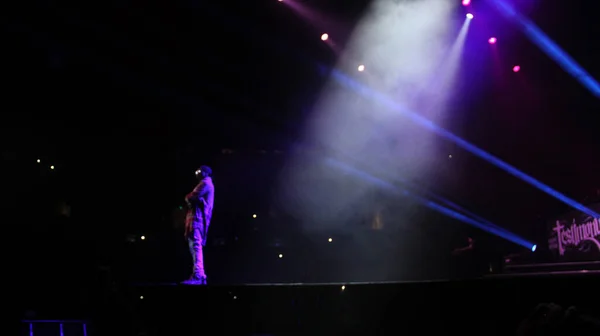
(465, 264)
(464, 249)
(200, 204)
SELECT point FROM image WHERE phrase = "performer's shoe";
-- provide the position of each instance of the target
(195, 280)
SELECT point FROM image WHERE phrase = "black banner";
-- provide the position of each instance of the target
(575, 236)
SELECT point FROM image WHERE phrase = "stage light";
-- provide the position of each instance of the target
(469, 16)
(254, 216)
(361, 68)
(141, 297)
(343, 287)
(324, 37)
(143, 237)
(492, 40)
(533, 248)
(555, 52)
(466, 2)
(516, 68)
(52, 167)
(330, 240)
(280, 256)
(396, 107)
(450, 156)
(38, 160)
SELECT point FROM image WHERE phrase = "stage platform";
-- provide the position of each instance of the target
(491, 306)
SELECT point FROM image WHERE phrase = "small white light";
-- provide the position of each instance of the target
(51, 167)
(38, 160)
(281, 256)
(141, 297)
(330, 240)
(143, 237)
(361, 68)
(450, 156)
(254, 216)
(343, 287)
(469, 16)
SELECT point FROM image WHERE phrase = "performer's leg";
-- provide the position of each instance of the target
(195, 243)
(197, 256)
(192, 252)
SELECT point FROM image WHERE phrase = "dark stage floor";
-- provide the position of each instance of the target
(475, 307)
(490, 306)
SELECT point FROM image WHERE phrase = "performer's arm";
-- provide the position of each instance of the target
(463, 249)
(196, 197)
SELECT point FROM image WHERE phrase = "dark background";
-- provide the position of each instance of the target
(126, 100)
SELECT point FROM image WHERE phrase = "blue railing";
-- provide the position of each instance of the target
(60, 324)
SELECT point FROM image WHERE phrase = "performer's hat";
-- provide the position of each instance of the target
(205, 169)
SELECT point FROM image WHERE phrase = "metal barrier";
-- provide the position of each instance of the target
(60, 323)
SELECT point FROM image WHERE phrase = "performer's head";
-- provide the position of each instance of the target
(203, 171)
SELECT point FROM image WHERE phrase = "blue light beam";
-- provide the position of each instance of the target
(390, 103)
(436, 198)
(495, 230)
(537, 36)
